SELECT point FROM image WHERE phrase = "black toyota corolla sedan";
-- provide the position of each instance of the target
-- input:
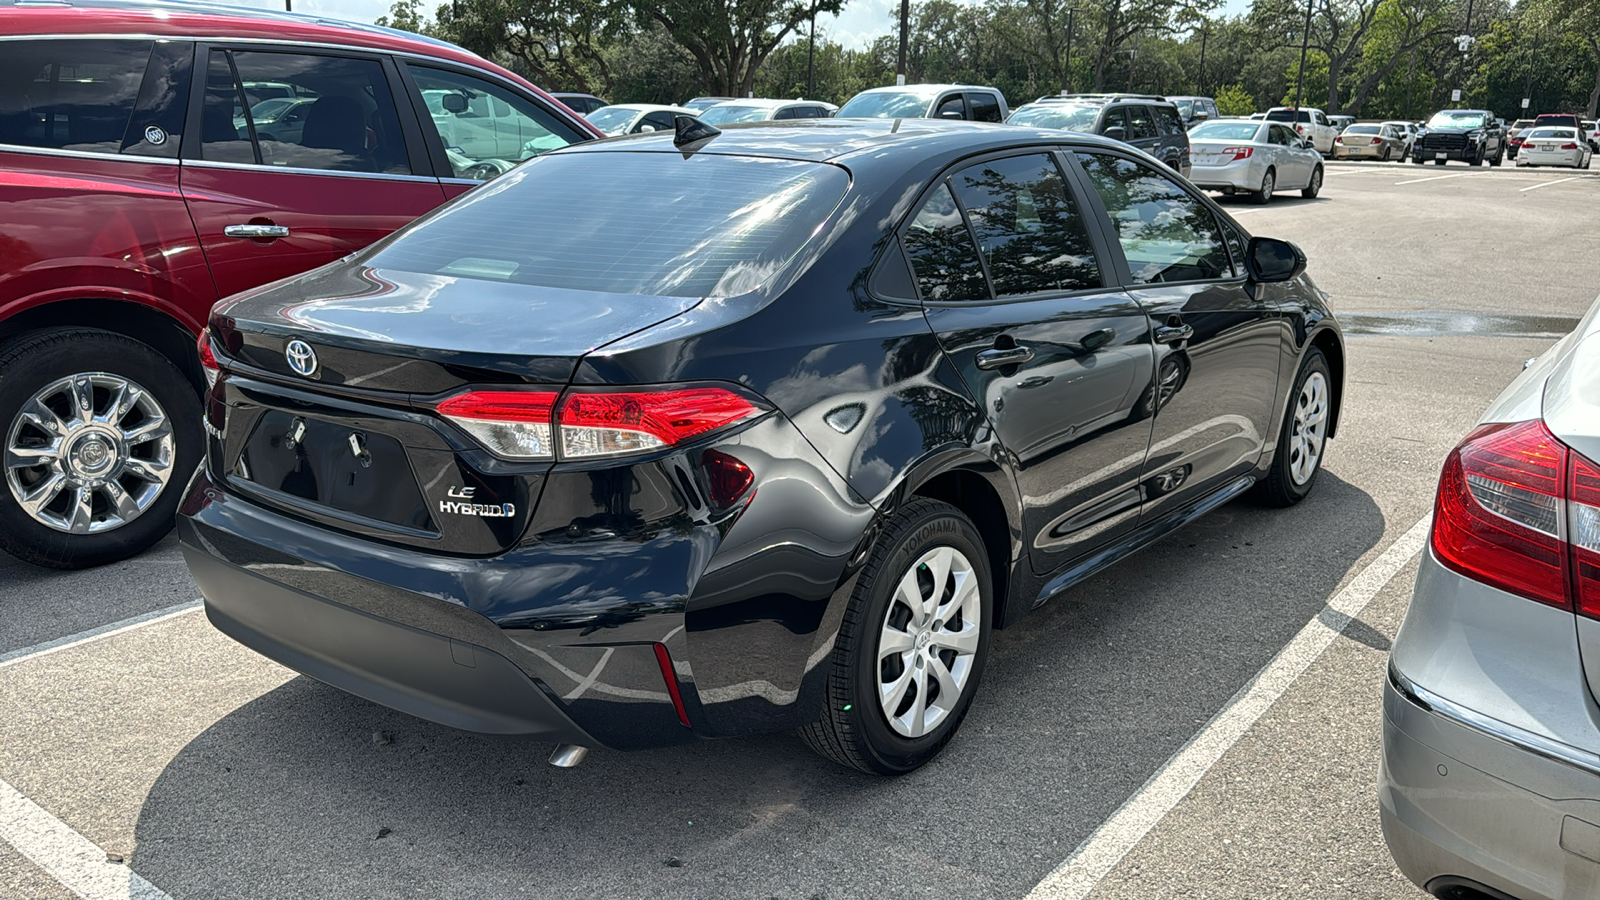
(701, 435)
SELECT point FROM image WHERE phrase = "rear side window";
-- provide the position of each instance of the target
(70, 94)
(1171, 122)
(985, 108)
(628, 223)
(1288, 115)
(1140, 123)
(1031, 233)
(941, 251)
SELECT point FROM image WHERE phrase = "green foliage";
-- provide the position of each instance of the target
(1233, 100)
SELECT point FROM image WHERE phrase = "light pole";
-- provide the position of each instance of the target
(1066, 67)
(1205, 29)
(905, 26)
(1133, 56)
(1464, 41)
(811, 56)
(1305, 43)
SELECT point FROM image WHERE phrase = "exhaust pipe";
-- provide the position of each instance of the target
(568, 755)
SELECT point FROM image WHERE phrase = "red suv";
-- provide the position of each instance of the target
(156, 157)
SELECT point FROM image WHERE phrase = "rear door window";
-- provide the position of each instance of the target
(70, 94)
(301, 111)
(985, 108)
(1031, 233)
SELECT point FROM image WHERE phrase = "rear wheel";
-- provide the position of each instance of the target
(1303, 436)
(1311, 190)
(912, 644)
(1263, 194)
(100, 435)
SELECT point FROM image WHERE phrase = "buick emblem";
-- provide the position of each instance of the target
(301, 357)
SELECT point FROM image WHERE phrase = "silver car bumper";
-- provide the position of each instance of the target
(1244, 175)
(1489, 776)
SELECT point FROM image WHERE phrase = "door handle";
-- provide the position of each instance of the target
(1004, 356)
(256, 232)
(1171, 334)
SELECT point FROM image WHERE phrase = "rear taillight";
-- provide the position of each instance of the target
(1238, 153)
(1519, 510)
(1569, 146)
(208, 359)
(1377, 140)
(591, 424)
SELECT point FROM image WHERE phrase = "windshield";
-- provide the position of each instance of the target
(1553, 133)
(1057, 115)
(1456, 118)
(628, 223)
(1225, 131)
(612, 119)
(1288, 115)
(1185, 107)
(886, 105)
(728, 112)
(1363, 129)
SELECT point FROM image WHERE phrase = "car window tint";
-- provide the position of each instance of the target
(1172, 122)
(942, 253)
(341, 117)
(787, 112)
(69, 95)
(1114, 118)
(985, 108)
(1030, 231)
(627, 223)
(1236, 248)
(1140, 124)
(1166, 234)
(1280, 135)
(156, 128)
(951, 104)
(474, 131)
(659, 121)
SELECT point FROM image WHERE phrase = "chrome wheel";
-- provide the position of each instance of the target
(926, 646)
(1310, 428)
(89, 453)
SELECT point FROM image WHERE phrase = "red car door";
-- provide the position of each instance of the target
(267, 207)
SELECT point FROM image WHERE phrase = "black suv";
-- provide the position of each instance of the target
(1470, 135)
(1153, 124)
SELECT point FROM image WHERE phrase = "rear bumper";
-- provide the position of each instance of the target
(1569, 159)
(1244, 175)
(1341, 151)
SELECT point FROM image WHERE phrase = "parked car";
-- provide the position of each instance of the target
(1514, 136)
(703, 103)
(1150, 123)
(1592, 129)
(534, 451)
(1341, 122)
(1546, 146)
(927, 101)
(1258, 117)
(1194, 110)
(133, 201)
(1469, 135)
(1255, 158)
(758, 110)
(1491, 747)
(1408, 132)
(637, 118)
(582, 104)
(1365, 140)
(1308, 122)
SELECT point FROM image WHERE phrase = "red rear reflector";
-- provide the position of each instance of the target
(727, 477)
(671, 678)
(208, 359)
(613, 423)
(1583, 533)
(1497, 515)
(514, 424)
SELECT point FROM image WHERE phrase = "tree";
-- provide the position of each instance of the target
(559, 43)
(406, 15)
(1579, 18)
(730, 40)
(1234, 101)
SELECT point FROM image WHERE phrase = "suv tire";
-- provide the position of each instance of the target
(855, 727)
(115, 473)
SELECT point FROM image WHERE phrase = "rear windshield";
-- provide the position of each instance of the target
(726, 113)
(1363, 129)
(1057, 115)
(628, 223)
(886, 105)
(1553, 133)
(1225, 131)
(1288, 115)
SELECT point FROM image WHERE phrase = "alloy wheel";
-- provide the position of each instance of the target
(89, 453)
(1310, 428)
(926, 646)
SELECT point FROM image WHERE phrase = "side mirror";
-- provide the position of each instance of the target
(951, 114)
(454, 103)
(1201, 116)
(642, 129)
(1116, 133)
(1268, 260)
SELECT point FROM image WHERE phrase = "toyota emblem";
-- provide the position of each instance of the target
(301, 357)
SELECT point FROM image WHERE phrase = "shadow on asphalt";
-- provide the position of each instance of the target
(291, 796)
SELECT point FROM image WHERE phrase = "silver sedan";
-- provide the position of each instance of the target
(1491, 742)
(1252, 157)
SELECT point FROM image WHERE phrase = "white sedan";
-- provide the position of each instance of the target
(1245, 156)
(1551, 146)
(635, 118)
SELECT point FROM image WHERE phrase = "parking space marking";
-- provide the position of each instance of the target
(95, 634)
(1535, 187)
(1117, 835)
(69, 857)
(1434, 178)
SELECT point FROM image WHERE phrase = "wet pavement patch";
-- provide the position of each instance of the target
(1451, 323)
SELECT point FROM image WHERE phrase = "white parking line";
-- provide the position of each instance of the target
(1434, 178)
(1100, 853)
(1535, 187)
(70, 858)
(95, 634)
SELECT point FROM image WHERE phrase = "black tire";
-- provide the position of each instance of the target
(1263, 195)
(852, 729)
(1279, 487)
(1476, 160)
(27, 365)
(1417, 159)
(1311, 190)
(1499, 157)
(1440, 162)
(1386, 154)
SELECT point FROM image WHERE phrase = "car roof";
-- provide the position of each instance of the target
(927, 88)
(651, 107)
(768, 103)
(825, 140)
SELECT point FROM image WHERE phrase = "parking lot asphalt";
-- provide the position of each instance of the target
(158, 759)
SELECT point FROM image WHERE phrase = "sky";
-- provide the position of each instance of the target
(856, 27)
